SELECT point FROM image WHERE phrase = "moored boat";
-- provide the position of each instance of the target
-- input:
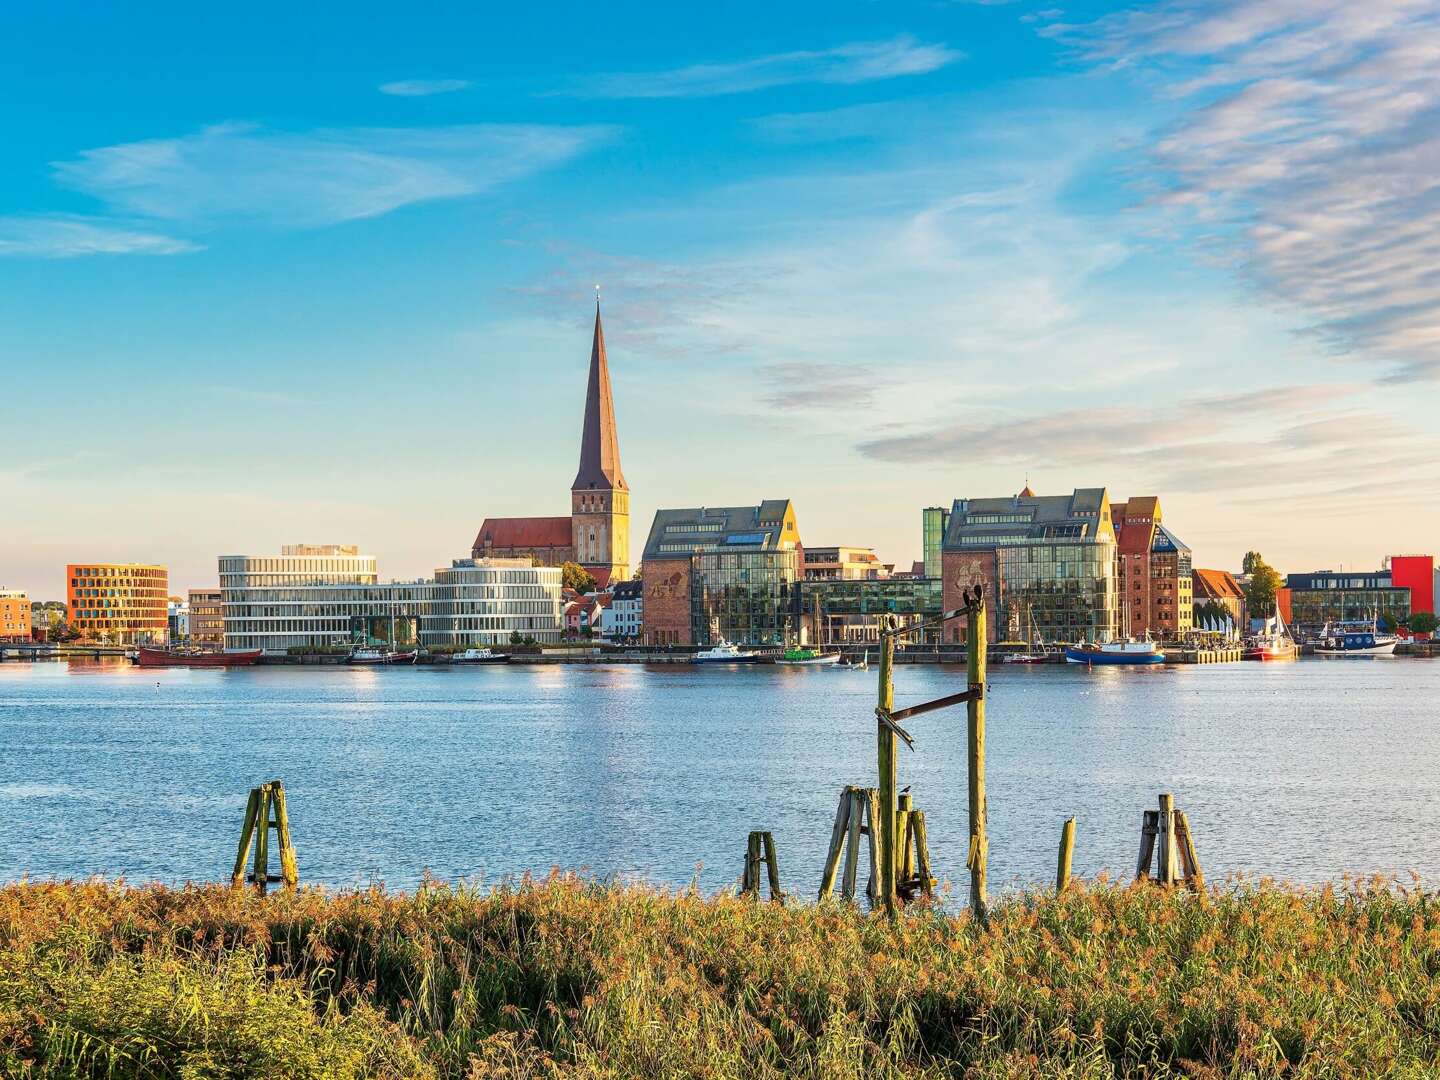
(807, 657)
(1115, 652)
(479, 656)
(724, 653)
(1356, 642)
(367, 655)
(1275, 644)
(146, 656)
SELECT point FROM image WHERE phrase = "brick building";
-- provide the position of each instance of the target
(728, 571)
(123, 603)
(1153, 572)
(14, 615)
(1220, 587)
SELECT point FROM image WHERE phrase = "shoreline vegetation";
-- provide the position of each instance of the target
(569, 977)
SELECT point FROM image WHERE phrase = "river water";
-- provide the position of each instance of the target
(1303, 771)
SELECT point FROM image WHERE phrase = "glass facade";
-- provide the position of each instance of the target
(750, 597)
(934, 521)
(850, 611)
(1067, 588)
(1311, 609)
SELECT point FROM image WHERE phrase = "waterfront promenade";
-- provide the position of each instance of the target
(1304, 770)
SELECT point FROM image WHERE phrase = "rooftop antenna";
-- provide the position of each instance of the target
(597, 295)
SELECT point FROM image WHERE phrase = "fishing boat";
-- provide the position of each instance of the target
(146, 656)
(1367, 641)
(724, 653)
(1276, 644)
(366, 655)
(801, 656)
(479, 656)
(1130, 651)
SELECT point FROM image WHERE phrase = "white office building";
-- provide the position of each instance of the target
(331, 595)
(624, 619)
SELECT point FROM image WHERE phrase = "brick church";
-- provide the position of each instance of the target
(596, 534)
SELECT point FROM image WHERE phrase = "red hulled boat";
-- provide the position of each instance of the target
(148, 657)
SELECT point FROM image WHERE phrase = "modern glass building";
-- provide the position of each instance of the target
(1047, 564)
(850, 611)
(723, 572)
(328, 596)
(934, 519)
(1328, 596)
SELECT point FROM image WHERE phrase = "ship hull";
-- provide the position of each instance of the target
(164, 658)
(1097, 657)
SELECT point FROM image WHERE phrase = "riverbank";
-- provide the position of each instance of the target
(569, 978)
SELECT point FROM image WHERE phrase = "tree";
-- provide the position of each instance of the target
(1260, 589)
(1422, 622)
(574, 576)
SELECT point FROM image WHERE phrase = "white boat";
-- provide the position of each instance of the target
(479, 656)
(1370, 641)
(366, 655)
(724, 653)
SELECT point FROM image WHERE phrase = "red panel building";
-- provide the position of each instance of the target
(1416, 573)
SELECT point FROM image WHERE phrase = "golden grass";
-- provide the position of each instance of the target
(569, 978)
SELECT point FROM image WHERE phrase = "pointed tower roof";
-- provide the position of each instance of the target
(599, 443)
(1026, 493)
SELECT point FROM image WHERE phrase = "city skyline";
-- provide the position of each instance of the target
(334, 286)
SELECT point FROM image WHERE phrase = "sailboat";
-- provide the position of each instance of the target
(1039, 653)
(1276, 644)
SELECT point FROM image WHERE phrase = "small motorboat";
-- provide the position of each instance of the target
(1371, 641)
(1039, 652)
(724, 653)
(175, 657)
(479, 656)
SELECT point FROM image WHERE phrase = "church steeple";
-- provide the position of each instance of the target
(599, 443)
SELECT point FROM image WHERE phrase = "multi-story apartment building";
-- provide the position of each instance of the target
(1219, 587)
(207, 618)
(177, 619)
(14, 615)
(843, 564)
(624, 619)
(1153, 572)
(728, 572)
(331, 595)
(1047, 563)
(122, 603)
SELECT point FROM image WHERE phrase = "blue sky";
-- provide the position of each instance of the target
(327, 277)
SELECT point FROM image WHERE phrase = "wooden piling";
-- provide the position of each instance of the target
(885, 753)
(262, 842)
(1067, 852)
(906, 868)
(852, 844)
(750, 879)
(922, 852)
(289, 872)
(1149, 826)
(872, 889)
(772, 868)
(1168, 871)
(975, 644)
(1194, 877)
(837, 843)
(247, 835)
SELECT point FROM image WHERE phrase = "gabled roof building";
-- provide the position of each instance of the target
(1153, 572)
(722, 572)
(1047, 563)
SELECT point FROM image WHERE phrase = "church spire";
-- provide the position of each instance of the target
(599, 443)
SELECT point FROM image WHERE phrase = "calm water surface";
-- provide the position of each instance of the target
(1304, 770)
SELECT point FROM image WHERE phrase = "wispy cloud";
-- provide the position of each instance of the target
(237, 173)
(424, 87)
(857, 62)
(1310, 145)
(64, 236)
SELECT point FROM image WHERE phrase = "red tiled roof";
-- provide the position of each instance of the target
(1138, 537)
(526, 532)
(1216, 585)
(601, 574)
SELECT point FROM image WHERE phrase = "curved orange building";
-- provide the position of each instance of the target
(123, 603)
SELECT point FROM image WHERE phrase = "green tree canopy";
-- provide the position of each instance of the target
(1260, 589)
(1423, 622)
(574, 576)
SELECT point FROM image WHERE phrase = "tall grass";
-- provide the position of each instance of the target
(570, 978)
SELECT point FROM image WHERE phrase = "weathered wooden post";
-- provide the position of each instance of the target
(1194, 876)
(975, 646)
(906, 863)
(1168, 870)
(1067, 852)
(772, 867)
(264, 811)
(886, 750)
(247, 833)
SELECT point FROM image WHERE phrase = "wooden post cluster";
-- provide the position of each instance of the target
(913, 876)
(266, 811)
(857, 815)
(1067, 852)
(761, 848)
(1168, 830)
